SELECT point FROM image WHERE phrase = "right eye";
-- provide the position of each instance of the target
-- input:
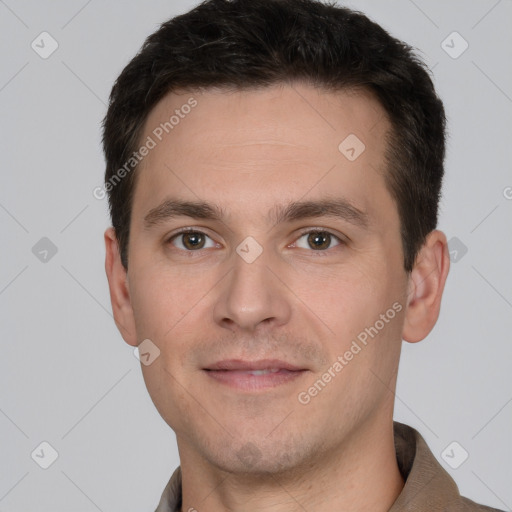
(191, 240)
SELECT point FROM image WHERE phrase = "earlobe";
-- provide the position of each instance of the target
(119, 291)
(426, 286)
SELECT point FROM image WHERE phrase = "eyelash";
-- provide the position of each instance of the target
(307, 231)
(321, 252)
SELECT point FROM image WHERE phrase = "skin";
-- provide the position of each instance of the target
(247, 152)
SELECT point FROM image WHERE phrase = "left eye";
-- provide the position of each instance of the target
(317, 240)
(192, 241)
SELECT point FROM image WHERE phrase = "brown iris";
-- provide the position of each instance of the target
(193, 240)
(319, 240)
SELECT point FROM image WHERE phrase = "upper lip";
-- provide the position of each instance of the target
(261, 364)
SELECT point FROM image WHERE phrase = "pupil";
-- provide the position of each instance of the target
(319, 240)
(193, 240)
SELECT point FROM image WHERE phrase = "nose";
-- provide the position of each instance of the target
(252, 296)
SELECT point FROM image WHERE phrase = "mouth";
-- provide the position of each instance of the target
(254, 375)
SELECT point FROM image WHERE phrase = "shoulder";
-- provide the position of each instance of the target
(471, 506)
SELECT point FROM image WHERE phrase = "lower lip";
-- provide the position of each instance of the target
(245, 381)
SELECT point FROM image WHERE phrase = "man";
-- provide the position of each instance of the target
(274, 169)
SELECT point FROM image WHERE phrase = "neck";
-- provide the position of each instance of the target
(360, 474)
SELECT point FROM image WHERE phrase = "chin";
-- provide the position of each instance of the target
(260, 458)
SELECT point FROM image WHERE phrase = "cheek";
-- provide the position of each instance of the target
(348, 301)
(168, 397)
(341, 296)
(173, 310)
(163, 297)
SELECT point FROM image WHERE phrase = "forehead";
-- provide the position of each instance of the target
(234, 114)
(262, 145)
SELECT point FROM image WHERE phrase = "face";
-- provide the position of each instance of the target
(266, 266)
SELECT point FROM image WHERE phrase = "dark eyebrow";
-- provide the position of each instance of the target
(338, 208)
(296, 210)
(171, 208)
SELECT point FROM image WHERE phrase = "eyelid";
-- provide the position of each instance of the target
(341, 237)
(188, 229)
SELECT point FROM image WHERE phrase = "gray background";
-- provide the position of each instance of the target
(66, 375)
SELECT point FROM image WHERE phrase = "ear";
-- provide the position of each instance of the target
(119, 291)
(426, 285)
